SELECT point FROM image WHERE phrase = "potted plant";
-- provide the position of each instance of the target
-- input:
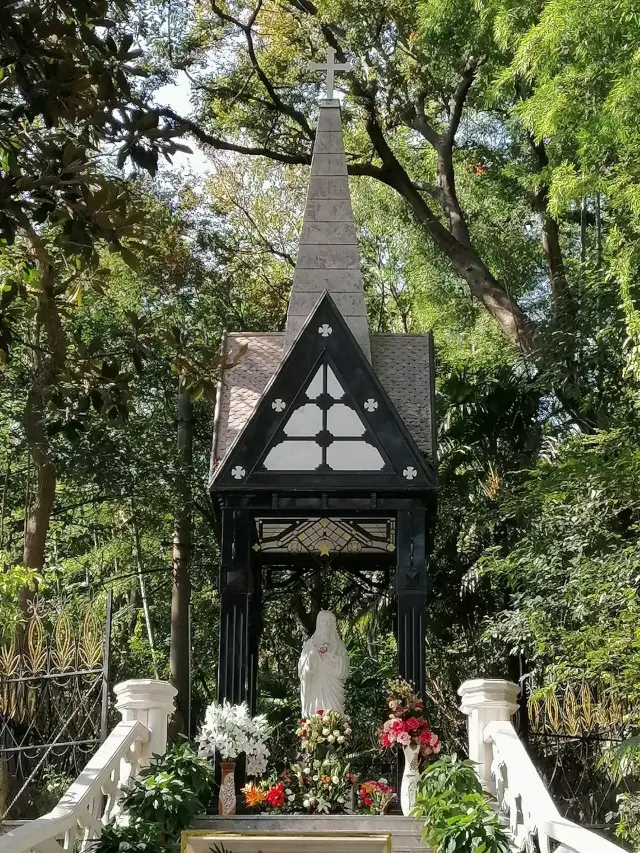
(408, 728)
(230, 731)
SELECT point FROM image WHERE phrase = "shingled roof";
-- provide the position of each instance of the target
(403, 363)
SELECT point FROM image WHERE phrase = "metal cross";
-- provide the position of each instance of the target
(331, 66)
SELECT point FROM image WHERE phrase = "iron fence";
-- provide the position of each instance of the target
(53, 701)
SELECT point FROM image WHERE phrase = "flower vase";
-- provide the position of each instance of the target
(227, 795)
(410, 776)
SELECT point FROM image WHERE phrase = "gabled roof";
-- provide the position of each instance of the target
(323, 419)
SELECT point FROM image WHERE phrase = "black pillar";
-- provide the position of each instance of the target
(255, 632)
(235, 593)
(411, 592)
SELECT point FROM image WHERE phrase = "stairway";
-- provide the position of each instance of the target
(404, 831)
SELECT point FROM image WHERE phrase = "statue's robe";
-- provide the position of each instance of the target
(322, 676)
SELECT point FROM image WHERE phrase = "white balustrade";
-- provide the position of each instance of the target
(507, 772)
(92, 801)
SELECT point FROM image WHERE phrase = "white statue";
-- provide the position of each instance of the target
(323, 668)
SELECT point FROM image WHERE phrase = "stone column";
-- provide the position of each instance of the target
(484, 701)
(149, 702)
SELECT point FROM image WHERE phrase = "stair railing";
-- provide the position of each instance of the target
(92, 801)
(508, 773)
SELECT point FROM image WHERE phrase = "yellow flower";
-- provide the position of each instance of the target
(253, 795)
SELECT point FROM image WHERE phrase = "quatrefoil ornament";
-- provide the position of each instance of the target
(370, 405)
(325, 330)
(238, 472)
(278, 405)
(410, 473)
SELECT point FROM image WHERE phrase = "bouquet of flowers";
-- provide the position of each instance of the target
(406, 725)
(324, 733)
(231, 731)
(325, 786)
(376, 797)
(314, 787)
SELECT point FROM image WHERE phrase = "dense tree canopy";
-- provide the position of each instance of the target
(494, 150)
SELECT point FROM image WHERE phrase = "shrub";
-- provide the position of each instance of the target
(171, 791)
(160, 803)
(457, 814)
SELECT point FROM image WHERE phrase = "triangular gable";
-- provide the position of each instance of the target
(324, 421)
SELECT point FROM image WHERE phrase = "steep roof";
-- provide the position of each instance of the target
(403, 363)
(328, 262)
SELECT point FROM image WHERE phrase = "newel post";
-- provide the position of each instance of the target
(484, 701)
(149, 702)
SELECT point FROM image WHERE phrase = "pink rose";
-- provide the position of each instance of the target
(433, 739)
(387, 726)
(412, 724)
(404, 738)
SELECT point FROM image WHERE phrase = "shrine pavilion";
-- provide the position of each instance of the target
(324, 445)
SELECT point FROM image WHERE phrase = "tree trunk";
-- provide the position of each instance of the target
(515, 324)
(179, 654)
(143, 591)
(47, 367)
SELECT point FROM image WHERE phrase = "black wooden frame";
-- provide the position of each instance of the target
(239, 501)
(240, 577)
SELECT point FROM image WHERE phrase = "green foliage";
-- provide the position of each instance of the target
(628, 827)
(572, 574)
(161, 803)
(136, 837)
(458, 817)
(11, 582)
(171, 790)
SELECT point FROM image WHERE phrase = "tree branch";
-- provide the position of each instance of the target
(422, 125)
(303, 159)
(456, 103)
(550, 231)
(282, 107)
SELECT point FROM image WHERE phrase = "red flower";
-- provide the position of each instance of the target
(425, 736)
(275, 795)
(397, 726)
(412, 724)
(319, 712)
(384, 739)
(366, 801)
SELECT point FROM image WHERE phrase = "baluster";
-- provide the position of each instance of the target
(70, 836)
(544, 842)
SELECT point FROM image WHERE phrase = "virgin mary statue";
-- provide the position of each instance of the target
(323, 668)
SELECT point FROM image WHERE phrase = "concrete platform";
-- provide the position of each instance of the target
(404, 831)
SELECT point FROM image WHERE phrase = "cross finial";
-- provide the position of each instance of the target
(331, 66)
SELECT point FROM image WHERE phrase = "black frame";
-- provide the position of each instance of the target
(237, 503)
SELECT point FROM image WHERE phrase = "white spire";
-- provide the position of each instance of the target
(328, 258)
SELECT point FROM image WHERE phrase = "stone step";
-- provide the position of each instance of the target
(404, 831)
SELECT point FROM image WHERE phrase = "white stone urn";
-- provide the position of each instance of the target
(409, 784)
